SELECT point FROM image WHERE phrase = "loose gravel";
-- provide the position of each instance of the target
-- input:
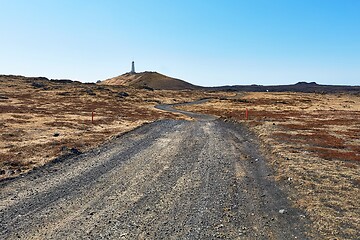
(166, 180)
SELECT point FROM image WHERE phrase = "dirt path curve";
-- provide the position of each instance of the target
(166, 180)
(197, 116)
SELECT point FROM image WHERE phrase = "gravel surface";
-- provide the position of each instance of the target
(166, 180)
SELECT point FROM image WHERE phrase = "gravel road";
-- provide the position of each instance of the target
(170, 179)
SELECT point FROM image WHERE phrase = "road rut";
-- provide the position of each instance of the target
(169, 179)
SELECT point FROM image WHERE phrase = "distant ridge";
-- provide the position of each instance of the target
(154, 80)
(311, 87)
(151, 80)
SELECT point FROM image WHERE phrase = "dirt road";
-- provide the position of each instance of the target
(166, 180)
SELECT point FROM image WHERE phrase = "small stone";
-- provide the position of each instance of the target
(90, 92)
(282, 211)
(123, 234)
(38, 85)
(64, 148)
(56, 134)
(75, 151)
(122, 94)
(3, 97)
(220, 226)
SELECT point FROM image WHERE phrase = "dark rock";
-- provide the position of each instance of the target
(147, 88)
(38, 79)
(2, 172)
(64, 148)
(38, 85)
(64, 93)
(64, 81)
(56, 134)
(75, 151)
(122, 94)
(90, 92)
(100, 87)
(3, 97)
(13, 163)
(153, 100)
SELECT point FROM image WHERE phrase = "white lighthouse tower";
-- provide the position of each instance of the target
(132, 67)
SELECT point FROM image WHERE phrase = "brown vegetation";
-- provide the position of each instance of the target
(42, 119)
(313, 141)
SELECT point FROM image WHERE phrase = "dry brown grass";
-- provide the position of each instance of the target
(313, 142)
(33, 110)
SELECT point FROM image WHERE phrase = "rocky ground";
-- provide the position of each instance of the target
(171, 179)
(312, 142)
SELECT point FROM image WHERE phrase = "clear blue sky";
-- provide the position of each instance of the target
(206, 42)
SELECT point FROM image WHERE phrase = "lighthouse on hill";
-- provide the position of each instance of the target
(132, 68)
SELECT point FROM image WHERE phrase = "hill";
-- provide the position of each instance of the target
(152, 80)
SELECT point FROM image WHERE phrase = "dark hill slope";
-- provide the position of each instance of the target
(298, 87)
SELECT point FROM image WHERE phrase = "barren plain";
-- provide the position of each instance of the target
(312, 141)
(171, 179)
(290, 171)
(41, 120)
